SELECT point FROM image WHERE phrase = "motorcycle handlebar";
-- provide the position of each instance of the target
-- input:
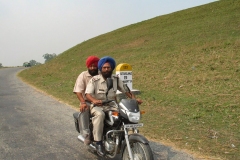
(103, 102)
(106, 101)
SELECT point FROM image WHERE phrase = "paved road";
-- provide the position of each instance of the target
(36, 126)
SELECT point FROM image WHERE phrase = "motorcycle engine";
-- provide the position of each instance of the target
(109, 146)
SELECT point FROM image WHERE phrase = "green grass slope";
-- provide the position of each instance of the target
(187, 67)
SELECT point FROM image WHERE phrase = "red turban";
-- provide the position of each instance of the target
(92, 60)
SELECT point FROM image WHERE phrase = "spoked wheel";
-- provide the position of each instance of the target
(140, 151)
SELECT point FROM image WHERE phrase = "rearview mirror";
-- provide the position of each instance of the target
(109, 83)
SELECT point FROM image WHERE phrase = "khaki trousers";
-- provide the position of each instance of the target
(98, 122)
(98, 114)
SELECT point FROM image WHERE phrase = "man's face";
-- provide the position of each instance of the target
(93, 70)
(106, 70)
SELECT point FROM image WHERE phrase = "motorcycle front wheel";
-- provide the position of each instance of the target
(139, 150)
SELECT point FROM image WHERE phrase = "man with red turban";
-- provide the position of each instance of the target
(80, 87)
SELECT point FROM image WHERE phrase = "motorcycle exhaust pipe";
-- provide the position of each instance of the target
(81, 138)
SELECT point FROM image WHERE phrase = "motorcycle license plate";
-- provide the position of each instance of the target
(133, 125)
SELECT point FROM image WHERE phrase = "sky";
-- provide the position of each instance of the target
(31, 28)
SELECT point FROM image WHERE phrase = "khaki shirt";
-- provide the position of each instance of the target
(81, 83)
(97, 87)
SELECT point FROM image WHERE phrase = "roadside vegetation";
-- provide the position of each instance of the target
(187, 67)
(46, 56)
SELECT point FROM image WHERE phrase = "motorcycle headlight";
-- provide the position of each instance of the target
(133, 117)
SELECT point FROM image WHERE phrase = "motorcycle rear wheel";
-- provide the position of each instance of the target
(139, 150)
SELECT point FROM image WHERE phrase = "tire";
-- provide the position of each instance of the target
(140, 151)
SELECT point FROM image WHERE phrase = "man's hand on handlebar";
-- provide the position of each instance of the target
(97, 102)
(139, 101)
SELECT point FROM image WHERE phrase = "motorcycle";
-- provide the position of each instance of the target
(120, 133)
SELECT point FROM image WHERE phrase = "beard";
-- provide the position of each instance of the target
(107, 74)
(93, 72)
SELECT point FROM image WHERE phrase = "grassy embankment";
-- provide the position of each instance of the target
(187, 66)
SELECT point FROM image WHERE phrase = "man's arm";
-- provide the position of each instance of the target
(132, 96)
(93, 100)
(78, 89)
(80, 97)
(83, 105)
(124, 89)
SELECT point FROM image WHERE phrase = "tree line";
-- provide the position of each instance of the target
(46, 56)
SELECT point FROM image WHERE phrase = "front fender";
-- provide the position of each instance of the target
(135, 137)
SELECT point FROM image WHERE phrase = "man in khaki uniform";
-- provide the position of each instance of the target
(79, 90)
(96, 92)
